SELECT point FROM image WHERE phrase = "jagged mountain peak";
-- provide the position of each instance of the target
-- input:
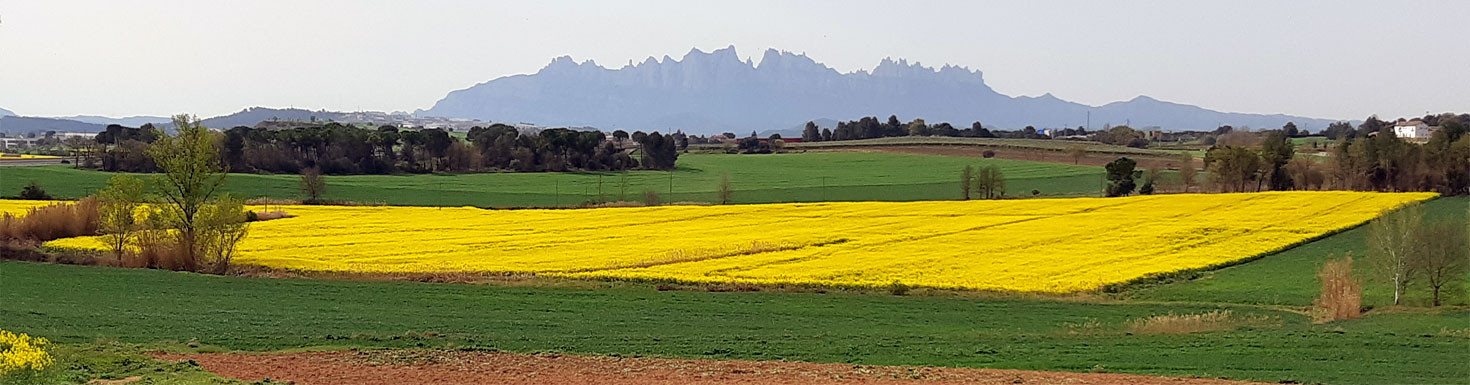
(717, 91)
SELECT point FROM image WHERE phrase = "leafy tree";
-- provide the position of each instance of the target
(222, 225)
(811, 133)
(1290, 130)
(1150, 179)
(918, 128)
(1233, 168)
(118, 201)
(191, 174)
(1120, 177)
(1276, 151)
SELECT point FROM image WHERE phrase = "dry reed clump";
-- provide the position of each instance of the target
(1091, 327)
(1195, 323)
(1342, 295)
(255, 216)
(160, 250)
(613, 204)
(272, 202)
(50, 222)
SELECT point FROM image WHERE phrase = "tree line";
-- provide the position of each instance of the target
(871, 128)
(1372, 158)
(335, 148)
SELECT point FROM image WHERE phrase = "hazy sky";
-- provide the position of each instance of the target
(1329, 59)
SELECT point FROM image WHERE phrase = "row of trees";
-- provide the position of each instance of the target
(1378, 161)
(870, 127)
(987, 182)
(335, 148)
(1409, 253)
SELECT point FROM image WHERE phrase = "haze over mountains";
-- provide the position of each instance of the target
(716, 91)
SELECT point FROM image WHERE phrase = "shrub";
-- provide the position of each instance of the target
(987, 154)
(898, 288)
(650, 198)
(34, 192)
(1342, 295)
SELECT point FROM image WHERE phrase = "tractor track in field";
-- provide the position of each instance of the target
(479, 367)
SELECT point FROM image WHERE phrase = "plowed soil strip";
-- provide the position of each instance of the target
(467, 367)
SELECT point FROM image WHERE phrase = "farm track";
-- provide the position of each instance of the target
(476, 367)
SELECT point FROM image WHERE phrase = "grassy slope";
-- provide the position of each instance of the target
(756, 179)
(80, 304)
(1289, 277)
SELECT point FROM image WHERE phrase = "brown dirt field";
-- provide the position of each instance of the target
(473, 367)
(1092, 159)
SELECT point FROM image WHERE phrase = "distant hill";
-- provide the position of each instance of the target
(715, 92)
(131, 121)
(5, 112)
(250, 116)
(18, 125)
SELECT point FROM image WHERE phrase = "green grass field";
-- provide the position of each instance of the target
(797, 177)
(1036, 144)
(74, 304)
(1288, 277)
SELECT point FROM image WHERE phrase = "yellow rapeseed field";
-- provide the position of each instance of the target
(20, 207)
(1034, 245)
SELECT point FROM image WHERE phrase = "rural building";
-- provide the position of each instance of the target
(1413, 129)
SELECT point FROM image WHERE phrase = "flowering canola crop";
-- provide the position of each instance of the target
(1035, 245)
(22, 352)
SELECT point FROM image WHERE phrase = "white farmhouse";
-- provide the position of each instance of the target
(1413, 129)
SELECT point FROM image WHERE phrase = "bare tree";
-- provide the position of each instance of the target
(990, 183)
(1441, 258)
(726, 192)
(1188, 175)
(313, 184)
(1077, 152)
(1391, 244)
(965, 176)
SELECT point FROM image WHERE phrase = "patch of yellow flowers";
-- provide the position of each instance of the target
(22, 352)
(20, 207)
(1034, 245)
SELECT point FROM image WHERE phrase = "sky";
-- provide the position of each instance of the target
(1325, 59)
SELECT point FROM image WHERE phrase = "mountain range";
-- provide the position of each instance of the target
(5, 112)
(713, 92)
